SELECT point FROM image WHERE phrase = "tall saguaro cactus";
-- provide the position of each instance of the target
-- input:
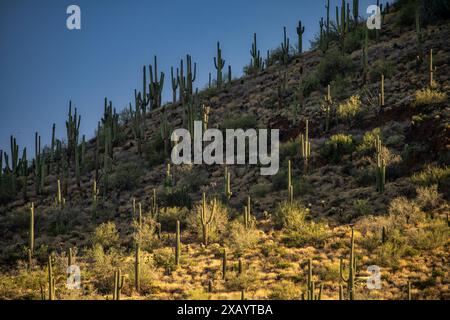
(351, 275)
(175, 84)
(300, 32)
(310, 286)
(73, 131)
(155, 86)
(118, 284)
(137, 268)
(219, 63)
(32, 228)
(431, 70)
(50, 279)
(380, 166)
(186, 81)
(224, 264)
(305, 147)
(289, 185)
(207, 216)
(285, 46)
(257, 63)
(228, 192)
(177, 245)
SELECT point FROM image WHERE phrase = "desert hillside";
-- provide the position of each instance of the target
(364, 159)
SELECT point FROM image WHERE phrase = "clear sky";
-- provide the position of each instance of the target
(43, 65)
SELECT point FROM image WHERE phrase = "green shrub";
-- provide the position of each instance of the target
(337, 146)
(168, 217)
(241, 239)
(126, 176)
(145, 234)
(177, 197)
(381, 67)
(431, 175)
(239, 122)
(403, 211)
(106, 235)
(285, 290)
(299, 231)
(350, 109)
(260, 190)
(362, 207)
(367, 146)
(164, 258)
(332, 65)
(425, 97)
(310, 84)
(432, 236)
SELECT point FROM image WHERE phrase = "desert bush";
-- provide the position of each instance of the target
(432, 236)
(106, 235)
(340, 87)
(176, 197)
(379, 68)
(153, 151)
(241, 239)
(285, 290)
(244, 281)
(337, 146)
(299, 231)
(101, 268)
(430, 11)
(168, 217)
(328, 271)
(431, 175)
(362, 207)
(428, 198)
(217, 227)
(349, 109)
(197, 294)
(403, 211)
(147, 275)
(310, 84)
(392, 251)
(367, 145)
(429, 96)
(332, 65)
(260, 190)
(241, 122)
(165, 258)
(145, 234)
(126, 176)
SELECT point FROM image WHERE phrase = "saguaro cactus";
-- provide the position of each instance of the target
(137, 268)
(178, 245)
(32, 228)
(285, 46)
(342, 23)
(310, 286)
(50, 279)
(256, 63)
(380, 166)
(224, 263)
(381, 94)
(431, 70)
(206, 219)
(118, 284)
(175, 84)
(155, 86)
(300, 32)
(356, 12)
(219, 63)
(186, 82)
(351, 276)
(289, 185)
(228, 192)
(326, 108)
(305, 147)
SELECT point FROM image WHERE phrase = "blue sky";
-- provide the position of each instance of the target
(43, 65)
